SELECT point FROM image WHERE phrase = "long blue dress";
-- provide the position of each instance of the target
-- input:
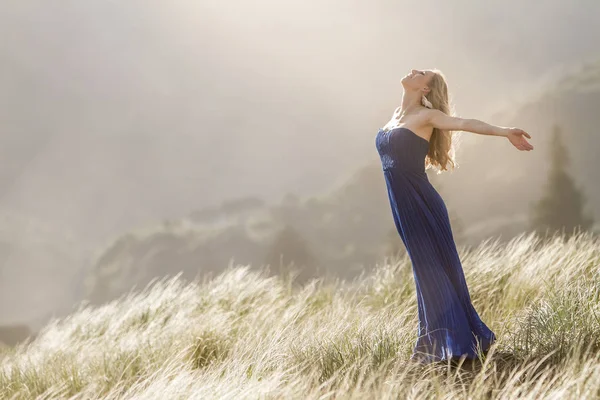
(448, 324)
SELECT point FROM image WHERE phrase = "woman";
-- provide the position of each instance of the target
(419, 137)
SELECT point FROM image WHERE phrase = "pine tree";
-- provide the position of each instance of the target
(561, 206)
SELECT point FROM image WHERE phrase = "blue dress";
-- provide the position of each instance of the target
(448, 324)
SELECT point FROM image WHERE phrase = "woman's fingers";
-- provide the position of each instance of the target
(519, 137)
(521, 131)
(524, 146)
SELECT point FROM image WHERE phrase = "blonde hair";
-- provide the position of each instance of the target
(441, 151)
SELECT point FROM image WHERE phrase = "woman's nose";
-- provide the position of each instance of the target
(413, 71)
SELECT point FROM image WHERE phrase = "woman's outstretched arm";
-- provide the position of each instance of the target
(446, 122)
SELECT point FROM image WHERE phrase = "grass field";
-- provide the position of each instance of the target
(247, 335)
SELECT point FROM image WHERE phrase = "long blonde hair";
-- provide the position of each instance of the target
(441, 151)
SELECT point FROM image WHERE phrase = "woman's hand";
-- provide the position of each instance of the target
(517, 137)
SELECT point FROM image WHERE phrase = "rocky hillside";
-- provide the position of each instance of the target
(347, 231)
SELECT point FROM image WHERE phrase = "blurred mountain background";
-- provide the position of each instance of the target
(147, 138)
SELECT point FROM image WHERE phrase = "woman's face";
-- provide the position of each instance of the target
(417, 79)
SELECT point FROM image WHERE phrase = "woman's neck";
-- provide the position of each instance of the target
(411, 101)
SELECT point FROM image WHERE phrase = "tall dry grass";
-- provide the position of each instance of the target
(247, 335)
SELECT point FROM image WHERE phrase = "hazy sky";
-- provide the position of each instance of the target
(115, 114)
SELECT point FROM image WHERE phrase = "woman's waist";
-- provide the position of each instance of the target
(404, 165)
(397, 169)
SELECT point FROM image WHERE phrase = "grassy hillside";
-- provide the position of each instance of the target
(246, 335)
